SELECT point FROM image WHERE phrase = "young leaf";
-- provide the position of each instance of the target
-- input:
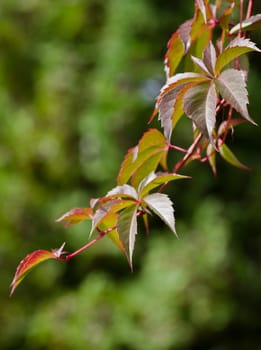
(151, 143)
(229, 156)
(30, 261)
(201, 65)
(229, 125)
(127, 229)
(76, 215)
(225, 17)
(202, 7)
(237, 47)
(232, 88)
(161, 205)
(200, 106)
(251, 23)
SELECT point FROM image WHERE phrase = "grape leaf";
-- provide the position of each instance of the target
(30, 261)
(232, 87)
(76, 215)
(161, 205)
(200, 106)
(127, 229)
(250, 23)
(229, 156)
(237, 47)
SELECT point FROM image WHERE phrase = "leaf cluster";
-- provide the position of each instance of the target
(205, 82)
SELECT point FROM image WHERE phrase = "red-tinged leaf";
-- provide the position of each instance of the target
(161, 205)
(156, 180)
(30, 261)
(211, 154)
(76, 215)
(210, 58)
(253, 22)
(127, 229)
(174, 54)
(237, 47)
(225, 17)
(232, 87)
(229, 156)
(151, 143)
(107, 210)
(200, 106)
(122, 191)
(229, 125)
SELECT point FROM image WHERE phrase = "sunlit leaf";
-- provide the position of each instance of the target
(127, 229)
(232, 87)
(76, 215)
(251, 23)
(158, 180)
(161, 205)
(200, 106)
(237, 47)
(152, 142)
(30, 261)
(229, 156)
(122, 191)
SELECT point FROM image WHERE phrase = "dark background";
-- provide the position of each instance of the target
(78, 80)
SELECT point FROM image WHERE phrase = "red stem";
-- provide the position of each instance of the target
(250, 8)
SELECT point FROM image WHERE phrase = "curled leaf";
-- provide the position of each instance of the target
(30, 261)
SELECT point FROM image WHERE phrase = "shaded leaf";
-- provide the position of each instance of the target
(200, 106)
(127, 229)
(232, 87)
(151, 143)
(210, 58)
(201, 65)
(229, 156)
(229, 124)
(251, 23)
(237, 47)
(211, 154)
(30, 261)
(76, 215)
(161, 205)
(225, 17)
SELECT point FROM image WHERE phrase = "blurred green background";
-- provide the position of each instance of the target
(78, 80)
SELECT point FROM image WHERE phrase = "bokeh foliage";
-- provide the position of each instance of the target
(78, 80)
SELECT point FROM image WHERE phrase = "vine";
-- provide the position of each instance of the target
(204, 77)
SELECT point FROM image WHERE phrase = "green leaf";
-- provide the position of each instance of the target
(161, 205)
(30, 261)
(202, 7)
(211, 154)
(200, 106)
(232, 87)
(152, 142)
(229, 156)
(251, 23)
(237, 47)
(157, 179)
(127, 229)
(225, 17)
(76, 215)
